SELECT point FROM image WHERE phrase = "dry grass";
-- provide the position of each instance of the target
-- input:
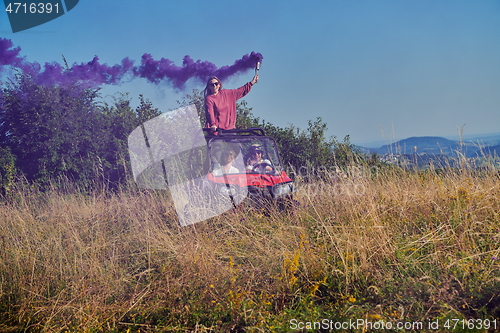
(396, 245)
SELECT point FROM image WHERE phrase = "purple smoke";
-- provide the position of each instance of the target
(94, 73)
(8, 55)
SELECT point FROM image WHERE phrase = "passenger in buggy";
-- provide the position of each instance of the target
(226, 165)
(255, 162)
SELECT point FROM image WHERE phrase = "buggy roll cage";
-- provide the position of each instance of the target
(220, 134)
(257, 131)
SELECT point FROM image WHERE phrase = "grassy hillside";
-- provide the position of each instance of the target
(381, 247)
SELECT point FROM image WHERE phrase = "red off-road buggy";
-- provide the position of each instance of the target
(234, 171)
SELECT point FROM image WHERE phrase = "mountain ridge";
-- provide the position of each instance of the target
(437, 145)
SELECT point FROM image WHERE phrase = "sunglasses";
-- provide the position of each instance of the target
(213, 84)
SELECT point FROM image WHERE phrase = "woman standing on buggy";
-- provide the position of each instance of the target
(220, 104)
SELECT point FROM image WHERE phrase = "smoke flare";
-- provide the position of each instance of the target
(94, 73)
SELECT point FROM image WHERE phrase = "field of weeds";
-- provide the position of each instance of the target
(401, 248)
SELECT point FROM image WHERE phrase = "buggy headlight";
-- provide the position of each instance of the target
(282, 190)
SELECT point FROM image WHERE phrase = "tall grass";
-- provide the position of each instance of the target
(389, 245)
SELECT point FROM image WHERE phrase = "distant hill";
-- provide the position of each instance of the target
(492, 150)
(436, 145)
(490, 139)
(432, 145)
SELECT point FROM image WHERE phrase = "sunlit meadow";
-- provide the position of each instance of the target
(381, 245)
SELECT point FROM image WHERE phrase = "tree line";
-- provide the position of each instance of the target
(53, 132)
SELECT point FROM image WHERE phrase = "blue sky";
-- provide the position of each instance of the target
(374, 70)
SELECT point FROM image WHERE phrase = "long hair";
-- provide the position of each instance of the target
(205, 91)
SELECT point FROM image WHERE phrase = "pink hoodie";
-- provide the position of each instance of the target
(220, 109)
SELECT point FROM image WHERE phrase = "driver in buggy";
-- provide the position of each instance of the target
(255, 162)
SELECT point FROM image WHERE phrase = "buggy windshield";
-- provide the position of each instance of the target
(239, 154)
